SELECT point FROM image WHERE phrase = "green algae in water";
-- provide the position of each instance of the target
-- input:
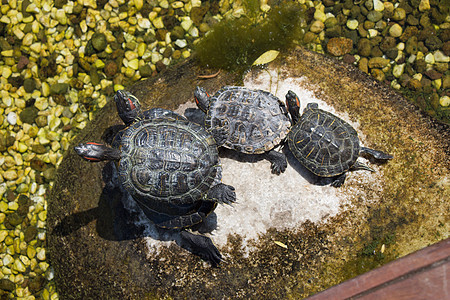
(425, 101)
(235, 43)
(371, 257)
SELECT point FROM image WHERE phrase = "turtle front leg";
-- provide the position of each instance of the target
(339, 180)
(278, 160)
(220, 135)
(201, 246)
(222, 193)
(376, 154)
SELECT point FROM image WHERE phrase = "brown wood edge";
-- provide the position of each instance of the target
(409, 265)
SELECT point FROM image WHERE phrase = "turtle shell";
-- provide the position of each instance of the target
(167, 165)
(256, 121)
(325, 144)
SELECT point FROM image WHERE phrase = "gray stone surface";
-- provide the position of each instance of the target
(287, 235)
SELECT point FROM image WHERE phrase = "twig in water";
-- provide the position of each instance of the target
(208, 76)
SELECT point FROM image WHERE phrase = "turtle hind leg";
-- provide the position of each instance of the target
(278, 160)
(361, 166)
(201, 246)
(339, 180)
(376, 154)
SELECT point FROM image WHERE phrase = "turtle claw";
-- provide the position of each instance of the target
(232, 204)
(278, 169)
(222, 193)
(339, 181)
(224, 261)
(228, 195)
(278, 160)
(336, 184)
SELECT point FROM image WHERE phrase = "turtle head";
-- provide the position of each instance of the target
(97, 152)
(201, 98)
(293, 106)
(128, 106)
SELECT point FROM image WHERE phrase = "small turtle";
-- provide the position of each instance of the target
(169, 166)
(248, 121)
(325, 144)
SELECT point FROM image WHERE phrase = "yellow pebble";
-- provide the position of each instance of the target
(444, 101)
(3, 235)
(13, 205)
(99, 64)
(133, 64)
(3, 206)
(31, 252)
(6, 71)
(158, 23)
(141, 49)
(118, 87)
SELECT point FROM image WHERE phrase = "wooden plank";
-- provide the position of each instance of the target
(432, 261)
(429, 284)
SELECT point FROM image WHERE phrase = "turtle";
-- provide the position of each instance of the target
(170, 167)
(246, 120)
(324, 143)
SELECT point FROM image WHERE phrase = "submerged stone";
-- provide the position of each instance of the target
(339, 46)
(59, 88)
(29, 114)
(99, 41)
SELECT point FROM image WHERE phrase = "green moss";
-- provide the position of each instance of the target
(234, 44)
(252, 8)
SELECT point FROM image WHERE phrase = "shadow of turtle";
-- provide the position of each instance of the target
(195, 115)
(120, 218)
(304, 172)
(239, 156)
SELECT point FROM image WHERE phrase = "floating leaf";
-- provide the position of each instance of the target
(280, 244)
(266, 57)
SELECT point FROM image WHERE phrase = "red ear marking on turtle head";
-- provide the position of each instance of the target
(93, 143)
(91, 158)
(298, 101)
(132, 106)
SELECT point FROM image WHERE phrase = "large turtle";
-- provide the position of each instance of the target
(245, 120)
(169, 166)
(325, 144)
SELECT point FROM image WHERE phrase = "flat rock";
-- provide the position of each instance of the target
(289, 231)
